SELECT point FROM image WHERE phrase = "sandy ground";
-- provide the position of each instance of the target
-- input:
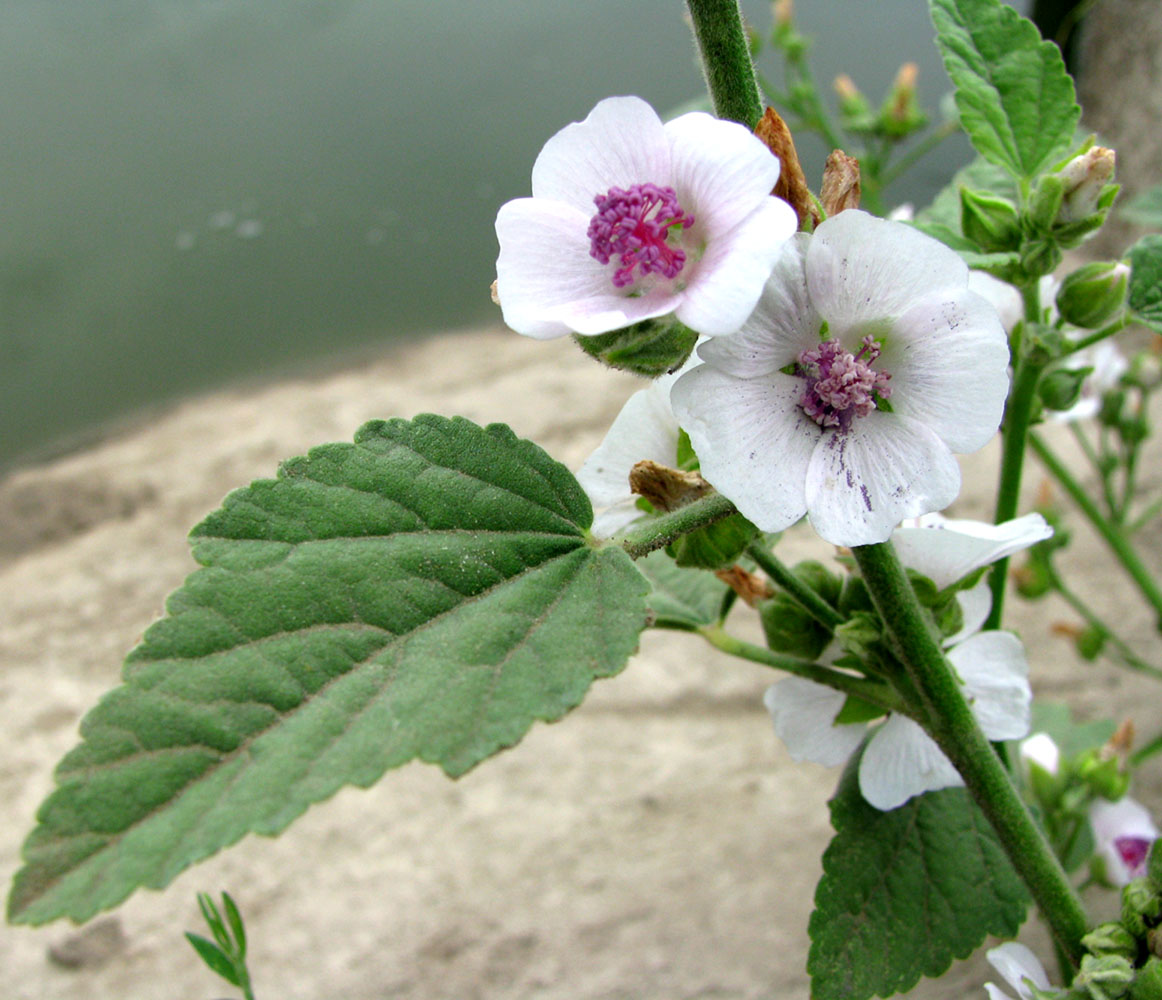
(656, 843)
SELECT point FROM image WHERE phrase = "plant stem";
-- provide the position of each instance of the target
(806, 597)
(658, 532)
(1106, 331)
(1014, 435)
(873, 692)
(726, 60)
(1118, 542)
(955, 729)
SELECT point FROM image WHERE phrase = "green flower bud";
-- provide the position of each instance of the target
(1141, 906)
(1111, 939)
(1105, 977)
(1085, 179)
(989, 221)
(1148, 982)
(1039, 257)
(1093, 294)
(1061, 388)
(1103, 775)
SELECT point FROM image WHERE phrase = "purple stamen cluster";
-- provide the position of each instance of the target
(841, 386)
(1133, 851)
(635, 227)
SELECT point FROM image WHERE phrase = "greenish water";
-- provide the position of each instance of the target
(197, 191)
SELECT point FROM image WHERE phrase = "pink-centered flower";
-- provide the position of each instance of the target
(632, 219)
(1123, 833)
(866, 364)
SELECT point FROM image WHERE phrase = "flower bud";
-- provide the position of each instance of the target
(1141, 906)
(1085, 177)
(901, 115)
(1111, 939)
(1040, 257)
(1093, 294)
(1103, 774)
(1148, 981)
(854, 111)
(1061, 389)
(1040, 750)
(1103, 978)
(989, 221)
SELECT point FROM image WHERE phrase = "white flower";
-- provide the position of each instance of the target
(866, 363)
(1123, 832)
(1019, 966)
(632, 219)
(1040, 749)
(901, 760)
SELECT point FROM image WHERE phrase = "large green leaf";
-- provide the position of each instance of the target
(427, 592)
(906, 891)
(1015, 98)
(1145, 293)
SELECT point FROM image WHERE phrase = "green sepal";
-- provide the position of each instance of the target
(1104, 977)
(1141, 906)
(1148, 981)
(857, 710)
(650, 348)
(1060, 389)
(904, 892)
(989, 221)
(1110, 938)
(717, 546)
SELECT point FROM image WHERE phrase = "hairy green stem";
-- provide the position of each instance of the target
(726, 60)
(873, 692)
(1118, 541)
(955, 729)
(805, 596)
(658, 532)
(1013, 437)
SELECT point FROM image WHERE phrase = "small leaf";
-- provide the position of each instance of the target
(1145, 296)
(236, 924)
(219, 962)
(681, 598)
(649, 348)
(213, 919)
(905, 892)
(1015, 98)
(427, 592)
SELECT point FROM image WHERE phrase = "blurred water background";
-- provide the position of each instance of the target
(200, 191)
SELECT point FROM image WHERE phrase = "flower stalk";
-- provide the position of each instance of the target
(658, 532)
(726, 60)
(955, 729)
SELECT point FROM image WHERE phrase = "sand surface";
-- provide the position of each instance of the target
(656, 843)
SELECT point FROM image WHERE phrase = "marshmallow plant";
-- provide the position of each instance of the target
(432, 589)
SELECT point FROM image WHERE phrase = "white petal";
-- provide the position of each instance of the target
(1002, 296)
(1040, 749)
(862, 483)
(948, 358)
(995, 673)
(753, 440)
(862, 269)
(951, 549)
(783, 323)
(803, 713)
(727, 282)
(1017, 963)
(644, 429)
(1112, 821)
(620, 143)
(975, 605)
(721, 172)
(995, 992)
(547, 283)
(901, 761)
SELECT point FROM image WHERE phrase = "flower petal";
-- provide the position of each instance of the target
(1116, 822)
(727, 282)
(783, 322)
(803, 713)
(621, 142)
(995, 673)
(862, 483)
(721, 171)
(951, 549)
(1017, 963)
(862, 269)
(547, 283)
(753, 440)
(901, 761)
(948, 357)
(975, 605)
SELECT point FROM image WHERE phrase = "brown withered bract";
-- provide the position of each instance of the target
(667, 489)
(792, 184)
(840, 183)
(749, 587)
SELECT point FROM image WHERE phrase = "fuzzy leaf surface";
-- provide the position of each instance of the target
(427, 592)
(905, 892)
(1015, 98)
(1145, 292)
(681, 598)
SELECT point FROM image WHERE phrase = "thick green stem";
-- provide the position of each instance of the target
(658, 532)
(807, 598)
(955, 729)
(726, 60)
(873, 692)
(1114, 537)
